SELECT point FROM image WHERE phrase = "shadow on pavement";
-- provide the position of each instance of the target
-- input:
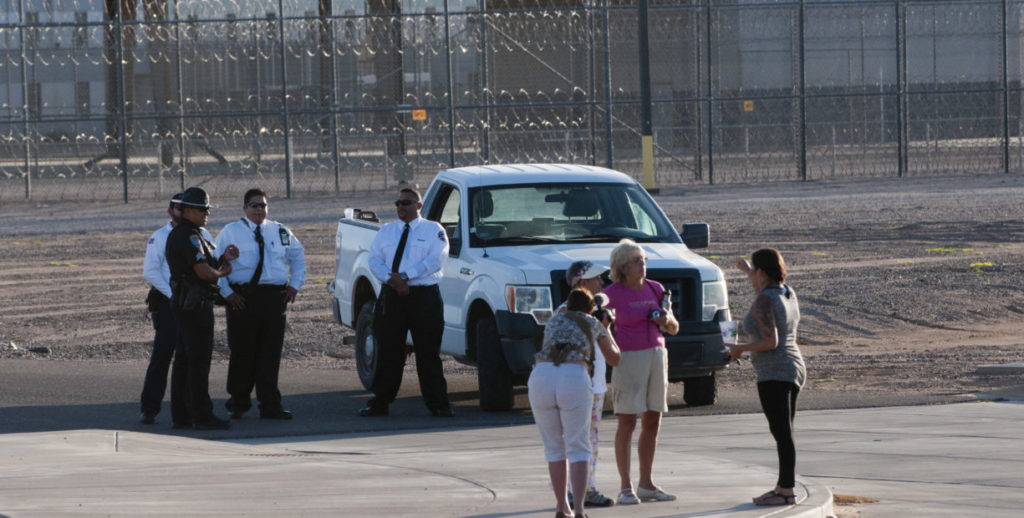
(315, 414)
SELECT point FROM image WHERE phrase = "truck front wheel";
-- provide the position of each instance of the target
(366, 346)
(700, 391)
(493, 375)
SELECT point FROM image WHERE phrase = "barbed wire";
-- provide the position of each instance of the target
(227, 93)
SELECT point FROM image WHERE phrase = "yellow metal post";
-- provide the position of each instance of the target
(647, 151)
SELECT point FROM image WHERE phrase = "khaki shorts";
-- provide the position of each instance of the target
(640, 382)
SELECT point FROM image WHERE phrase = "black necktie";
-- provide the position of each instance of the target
(259, 266)
(401, 248)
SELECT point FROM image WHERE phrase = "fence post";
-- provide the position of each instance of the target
(451, 89)
(901, 62)
(325, 26)
(928, 145)
(591, 84)
(711, 98)
(646, 136)
(26, 134)
(746, 152)
(608, 145)
(698, 126)
(123, 118)
(284, 101)
(181, 99)
(834, 150)
(486, 137)
(803, 94)
(1003, 15)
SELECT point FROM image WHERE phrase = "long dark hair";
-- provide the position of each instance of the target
(770, 261)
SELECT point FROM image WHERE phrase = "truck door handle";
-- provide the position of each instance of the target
(465, 271)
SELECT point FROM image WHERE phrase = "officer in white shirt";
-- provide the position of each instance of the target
(406, 257)
(157, 273)
(268, 274)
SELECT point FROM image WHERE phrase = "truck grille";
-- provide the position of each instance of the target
(684, 283)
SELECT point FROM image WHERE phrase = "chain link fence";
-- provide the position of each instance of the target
(124, 100)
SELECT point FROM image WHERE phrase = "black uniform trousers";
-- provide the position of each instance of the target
(164, 341)
(190, 378)
(256, 337)
(422, 313)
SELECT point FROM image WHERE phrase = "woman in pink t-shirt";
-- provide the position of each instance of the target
(640, 381)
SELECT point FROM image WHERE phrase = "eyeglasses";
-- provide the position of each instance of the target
(258, 205)
(403, 203)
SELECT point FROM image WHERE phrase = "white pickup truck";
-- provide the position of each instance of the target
(513, 231)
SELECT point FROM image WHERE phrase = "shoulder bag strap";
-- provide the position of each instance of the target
(581, 321)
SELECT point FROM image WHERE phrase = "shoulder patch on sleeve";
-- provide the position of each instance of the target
(441, 236)
(194, 239)
(152, 240)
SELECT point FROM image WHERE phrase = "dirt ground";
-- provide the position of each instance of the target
(906, 285)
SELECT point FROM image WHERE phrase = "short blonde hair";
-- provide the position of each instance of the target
(624, 252)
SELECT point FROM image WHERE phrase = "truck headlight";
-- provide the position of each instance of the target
(534, 300)
(716, 297)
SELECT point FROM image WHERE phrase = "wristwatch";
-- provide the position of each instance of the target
(403, 276)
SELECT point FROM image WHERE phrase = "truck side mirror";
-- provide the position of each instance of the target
(696, 235)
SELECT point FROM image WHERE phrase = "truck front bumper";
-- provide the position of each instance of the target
(697, 350)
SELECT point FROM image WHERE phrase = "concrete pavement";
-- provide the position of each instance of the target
(481, 472)
(946, 460)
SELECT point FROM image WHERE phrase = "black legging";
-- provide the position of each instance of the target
(778, 401)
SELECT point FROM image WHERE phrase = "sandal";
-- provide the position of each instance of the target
(596, 499)
(626, 497)
(775, 498)
(655, 495)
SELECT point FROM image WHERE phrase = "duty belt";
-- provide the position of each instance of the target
(249, 288)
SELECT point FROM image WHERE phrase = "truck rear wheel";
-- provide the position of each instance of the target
(366, 346)
(493, 375)
(700, 391)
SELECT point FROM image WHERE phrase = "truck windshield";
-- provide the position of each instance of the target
(572, 212)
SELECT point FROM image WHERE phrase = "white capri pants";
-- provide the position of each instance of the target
(561, 399)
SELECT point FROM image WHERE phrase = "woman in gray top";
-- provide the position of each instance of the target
(768, 332)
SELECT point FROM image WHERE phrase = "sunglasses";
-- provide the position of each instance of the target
(258, 205)
(204, 210)
(403, 203)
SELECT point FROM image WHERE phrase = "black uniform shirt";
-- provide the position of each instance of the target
(186, 248)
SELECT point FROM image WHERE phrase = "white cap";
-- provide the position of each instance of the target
(583, 270)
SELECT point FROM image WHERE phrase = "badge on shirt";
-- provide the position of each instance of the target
(285, 239)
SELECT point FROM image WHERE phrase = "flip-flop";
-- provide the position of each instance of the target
(775, 499)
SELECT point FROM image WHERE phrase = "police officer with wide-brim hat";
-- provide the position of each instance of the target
(165, 337)
(194, 275)
(196, 197)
